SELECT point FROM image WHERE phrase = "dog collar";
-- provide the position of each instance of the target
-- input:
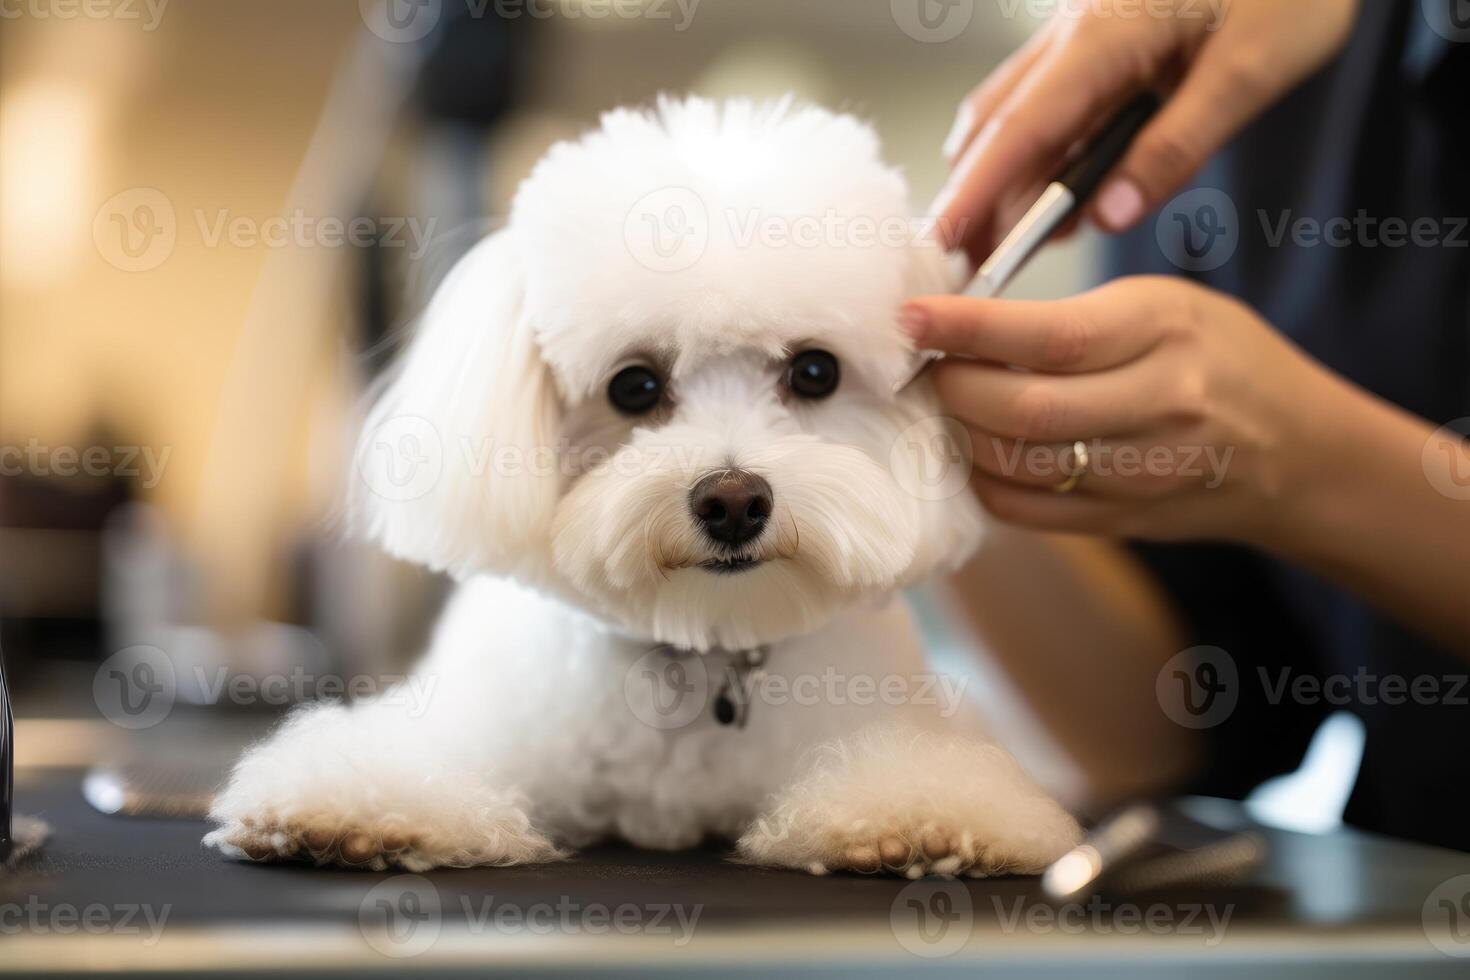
(744, 672)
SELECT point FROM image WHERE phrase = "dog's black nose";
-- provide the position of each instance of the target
(731, 505)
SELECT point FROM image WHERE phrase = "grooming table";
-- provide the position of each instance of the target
(1344, 905)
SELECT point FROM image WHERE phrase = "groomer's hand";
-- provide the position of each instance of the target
(1200, 421)
(1223, 62)
(1198, 418)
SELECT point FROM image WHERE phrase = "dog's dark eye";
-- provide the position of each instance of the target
(635, 390)
(813, 374)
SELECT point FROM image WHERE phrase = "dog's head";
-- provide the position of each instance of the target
(665, 389)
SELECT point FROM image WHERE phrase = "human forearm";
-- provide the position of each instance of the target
(1307, 465)
(1081, 631)
(1375, 510)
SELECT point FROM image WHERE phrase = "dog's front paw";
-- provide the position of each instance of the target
(913, 851)
(390, 842)
(338, 786)
(914, 804)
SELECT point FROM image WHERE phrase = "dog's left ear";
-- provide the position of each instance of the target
(457, 465)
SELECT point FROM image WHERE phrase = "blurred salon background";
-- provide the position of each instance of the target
(217, 220)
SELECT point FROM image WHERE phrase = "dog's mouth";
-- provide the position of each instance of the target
(729, 566)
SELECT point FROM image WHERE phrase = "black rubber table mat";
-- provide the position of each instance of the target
(1335, 880)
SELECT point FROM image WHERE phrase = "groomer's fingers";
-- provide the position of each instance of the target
(1249, 56)
(1057, 103)
(976, 108)
(1219, 95)
(1101, 329)
(1047, 510)
(1054, 408)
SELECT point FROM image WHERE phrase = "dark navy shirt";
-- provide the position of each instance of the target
(1380, 142)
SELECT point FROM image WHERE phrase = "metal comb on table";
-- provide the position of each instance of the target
(1148, 846)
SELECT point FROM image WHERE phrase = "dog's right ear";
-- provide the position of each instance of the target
(456, 467)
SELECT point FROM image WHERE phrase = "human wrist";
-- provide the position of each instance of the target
(1343, 476)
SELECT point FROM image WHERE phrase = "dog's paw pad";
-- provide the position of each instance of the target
(358, 847)
(930, 850)
(934, 844)
(895, 851)
(864, 858)
(321, 841)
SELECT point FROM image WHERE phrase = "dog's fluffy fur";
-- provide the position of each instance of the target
(579, 556)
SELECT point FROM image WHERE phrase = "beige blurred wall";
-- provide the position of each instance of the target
(211, 110)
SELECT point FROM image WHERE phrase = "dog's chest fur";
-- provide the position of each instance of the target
(621, 737)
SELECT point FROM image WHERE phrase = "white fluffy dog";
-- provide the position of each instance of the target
(650, 427)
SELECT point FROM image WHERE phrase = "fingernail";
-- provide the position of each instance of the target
(1120, 204)
(957, 131)
(943, 232)
(914, 320)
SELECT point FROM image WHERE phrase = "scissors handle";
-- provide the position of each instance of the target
(7, 764)
(1083, 175)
